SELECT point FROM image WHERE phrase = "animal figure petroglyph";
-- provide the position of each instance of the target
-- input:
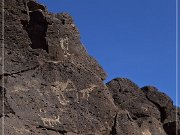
(20, 88)
(86, 92)
(28, 85)
(64, 46)
(60, 87)
(50, 122)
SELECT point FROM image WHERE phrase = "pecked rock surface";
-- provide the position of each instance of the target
(53, 87)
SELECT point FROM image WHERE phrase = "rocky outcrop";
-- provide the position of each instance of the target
(148, 110)
(50, 85)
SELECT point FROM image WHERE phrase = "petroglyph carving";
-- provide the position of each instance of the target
(42, 110)
(20, 88)
(60, 87)
(55, 62)
(21, 131)
(27, 9)
(86, 92)
(146, 132)
(161, 130)
(50, 122)
(144, 108)
(27, 86)
(34, 84)
(73, 25)
(128, 115)
(65, 46)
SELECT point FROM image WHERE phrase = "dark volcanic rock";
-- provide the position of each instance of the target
(148, 108)
(170, 115)
(172, 128)
(125, 125)
(51, 82)
(162, 101)
(7, 108)
(171, 122)
(128, 95)
(150, 125)
(51, 86)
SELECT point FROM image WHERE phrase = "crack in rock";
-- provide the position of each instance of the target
(3, 100)
(114, 131)
(22, 71)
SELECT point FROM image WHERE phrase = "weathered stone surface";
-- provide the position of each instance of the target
(51, 82)
(53, 87)
(124, 124)
(161, 100)
(148, 108)
(59, 98)
(5, 105)
(150, 126)
(158, 98)
(129, 96)
(27, 27)
(171, 123)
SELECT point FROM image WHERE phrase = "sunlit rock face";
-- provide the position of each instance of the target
(149, 111)
(51, 86)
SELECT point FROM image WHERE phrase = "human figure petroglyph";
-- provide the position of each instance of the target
(65, 45)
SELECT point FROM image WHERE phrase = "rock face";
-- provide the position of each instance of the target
(51, 86)
(149, 111)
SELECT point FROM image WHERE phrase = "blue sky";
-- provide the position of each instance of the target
(130, 39)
